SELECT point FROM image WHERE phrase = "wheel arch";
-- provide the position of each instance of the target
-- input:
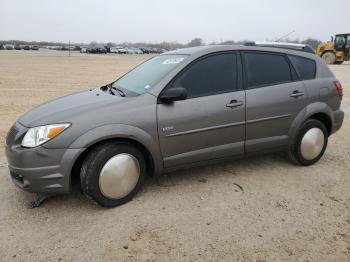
(319, 111)
(325, 119)
(116, 132)
(75, 171)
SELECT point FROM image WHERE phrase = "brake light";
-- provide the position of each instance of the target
(339, 88)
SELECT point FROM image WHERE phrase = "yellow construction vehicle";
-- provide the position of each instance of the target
(335, 51)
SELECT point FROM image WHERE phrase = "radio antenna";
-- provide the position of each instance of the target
(279, 39)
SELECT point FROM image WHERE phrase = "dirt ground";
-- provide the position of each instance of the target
(256, 209)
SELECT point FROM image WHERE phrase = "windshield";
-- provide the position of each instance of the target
(144, 77)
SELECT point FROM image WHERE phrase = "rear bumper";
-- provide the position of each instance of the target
(41, 170)
(338, 120)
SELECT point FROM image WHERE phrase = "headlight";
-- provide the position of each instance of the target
(39, 135)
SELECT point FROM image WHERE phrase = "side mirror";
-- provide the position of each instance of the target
(174, 94)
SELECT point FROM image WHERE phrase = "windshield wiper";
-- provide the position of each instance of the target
(121, 92)
(111, 90)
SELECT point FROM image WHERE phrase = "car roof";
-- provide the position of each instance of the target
(202, 50)
(189, 50)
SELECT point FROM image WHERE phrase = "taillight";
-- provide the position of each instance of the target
(339, 88)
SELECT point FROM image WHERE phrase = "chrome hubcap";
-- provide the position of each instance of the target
(119, 176)
(312, 143)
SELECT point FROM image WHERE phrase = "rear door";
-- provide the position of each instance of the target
(209, 124)
(274, 96)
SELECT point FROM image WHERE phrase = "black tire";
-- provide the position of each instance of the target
(93, 164)
(329, 58)
(294, 152)
(338, 62)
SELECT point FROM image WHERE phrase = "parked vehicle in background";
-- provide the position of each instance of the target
(2, 47)
(9, 47)
(97, 50)
(35, 48)
(117, 50)
(335, 51)
(248, 100)
(138, 51)
(122, 50)
(101, 50)
(108, 49)
(18, 47)
(83, 50)
(58, 48)
(154, 50)
(133, 50)
(114, 50)
(27, 47)
(129, 50)
(145, 50)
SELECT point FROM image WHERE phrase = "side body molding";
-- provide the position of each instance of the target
(311, 109)
(122, 131)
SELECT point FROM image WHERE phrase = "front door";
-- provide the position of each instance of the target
(210, 123)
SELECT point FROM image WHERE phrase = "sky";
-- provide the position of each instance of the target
(154, 21)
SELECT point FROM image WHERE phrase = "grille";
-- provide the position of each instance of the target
(11, 135)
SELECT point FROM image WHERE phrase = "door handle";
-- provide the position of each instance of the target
(234, 103)
(296, 94)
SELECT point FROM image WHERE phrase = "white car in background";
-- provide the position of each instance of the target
(139, 51)
(118, 50)
(83, 50)
(133, 50)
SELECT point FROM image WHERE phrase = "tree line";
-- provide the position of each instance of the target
(162, 45)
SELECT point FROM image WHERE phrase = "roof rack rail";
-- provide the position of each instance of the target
(300, 47)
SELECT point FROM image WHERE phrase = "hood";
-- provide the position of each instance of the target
(62, 109)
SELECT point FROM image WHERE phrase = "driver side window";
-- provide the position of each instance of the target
(210, 75)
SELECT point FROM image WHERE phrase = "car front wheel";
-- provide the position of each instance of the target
(310, 143)
(113, 173)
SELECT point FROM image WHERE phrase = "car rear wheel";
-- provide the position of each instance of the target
(113, 173)
(310, 143)
(329, 58)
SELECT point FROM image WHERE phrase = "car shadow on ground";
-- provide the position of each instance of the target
(193, 177)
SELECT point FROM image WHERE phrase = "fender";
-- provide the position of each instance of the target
(105, 132)
(309, 110)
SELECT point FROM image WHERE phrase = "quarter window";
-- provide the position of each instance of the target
(210, 75)
(266, 69)
(305, 67)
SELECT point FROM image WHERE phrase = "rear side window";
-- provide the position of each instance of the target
(210, 75)
(305, 67)
(266, 69)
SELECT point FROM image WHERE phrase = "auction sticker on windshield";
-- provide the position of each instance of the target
(173, 60)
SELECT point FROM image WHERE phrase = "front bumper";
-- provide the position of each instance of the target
(40, 170)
